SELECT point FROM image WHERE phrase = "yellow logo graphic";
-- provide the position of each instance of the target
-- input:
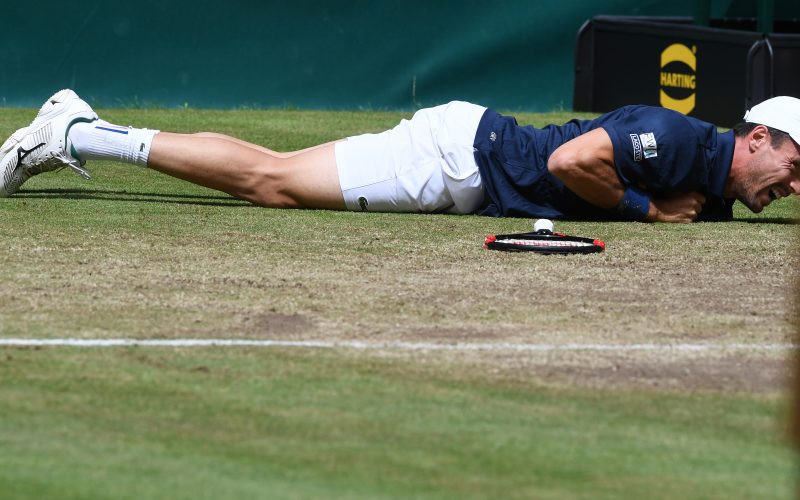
(675, 80)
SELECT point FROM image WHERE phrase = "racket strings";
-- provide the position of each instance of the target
(546, 243)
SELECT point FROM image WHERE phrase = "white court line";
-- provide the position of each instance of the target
(397, 345)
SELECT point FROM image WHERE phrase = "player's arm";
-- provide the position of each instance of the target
(585, 165)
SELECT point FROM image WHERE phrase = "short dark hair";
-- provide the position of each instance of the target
(778, 137)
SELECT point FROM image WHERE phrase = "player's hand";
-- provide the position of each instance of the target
(681, 208)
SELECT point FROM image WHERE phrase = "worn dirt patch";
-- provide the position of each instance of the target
(726, 370)
(276, 325)
(714, 374)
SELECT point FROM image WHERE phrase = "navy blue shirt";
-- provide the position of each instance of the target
(661, 151)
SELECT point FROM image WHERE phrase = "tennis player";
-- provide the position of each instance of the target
(636, 163)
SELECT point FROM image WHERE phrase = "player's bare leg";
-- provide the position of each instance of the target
(67, 132)
(277, 154)
(300, 179)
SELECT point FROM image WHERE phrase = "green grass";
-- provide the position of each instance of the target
(132, 423)
(139, 255)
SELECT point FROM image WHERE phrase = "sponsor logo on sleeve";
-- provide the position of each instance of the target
(637, 147)
(644, 146)
(649, 145)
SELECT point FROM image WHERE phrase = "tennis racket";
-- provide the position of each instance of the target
(543, 241)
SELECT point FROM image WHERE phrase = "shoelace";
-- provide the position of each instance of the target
(57, 162)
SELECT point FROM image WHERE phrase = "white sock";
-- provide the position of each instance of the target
(100, 140)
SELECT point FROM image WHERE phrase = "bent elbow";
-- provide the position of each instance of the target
(560, 163)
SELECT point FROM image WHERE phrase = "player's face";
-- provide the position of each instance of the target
(772, 174)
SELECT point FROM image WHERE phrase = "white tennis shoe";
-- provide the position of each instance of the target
(43, 145)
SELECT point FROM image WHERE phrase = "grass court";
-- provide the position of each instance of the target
(657, 369)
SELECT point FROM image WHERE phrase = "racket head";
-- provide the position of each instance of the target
(543, 242)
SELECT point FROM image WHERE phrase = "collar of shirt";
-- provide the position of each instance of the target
(721, 167)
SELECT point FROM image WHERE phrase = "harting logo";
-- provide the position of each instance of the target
(678, 68)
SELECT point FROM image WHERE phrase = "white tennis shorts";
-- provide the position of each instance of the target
(425, 164)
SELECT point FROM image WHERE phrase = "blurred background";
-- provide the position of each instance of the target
(355, 54)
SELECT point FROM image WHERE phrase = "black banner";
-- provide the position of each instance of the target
(709, 73)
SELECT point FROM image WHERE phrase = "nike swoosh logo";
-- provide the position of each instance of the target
(22, 153)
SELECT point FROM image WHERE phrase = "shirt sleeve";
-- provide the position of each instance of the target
(657, 150)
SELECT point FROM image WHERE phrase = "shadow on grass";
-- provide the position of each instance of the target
(768, 220)
(124, 195)
(228, 201)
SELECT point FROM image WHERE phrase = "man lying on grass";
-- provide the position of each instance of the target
(636, 163)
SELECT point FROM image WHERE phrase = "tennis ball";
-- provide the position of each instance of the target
(543, 224)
